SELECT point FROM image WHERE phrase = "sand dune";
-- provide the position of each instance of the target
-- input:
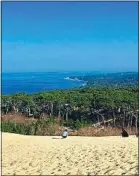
(34, 155)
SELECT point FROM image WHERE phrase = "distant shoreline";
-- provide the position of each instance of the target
(78, 80)
(41, 82)
(75, 79)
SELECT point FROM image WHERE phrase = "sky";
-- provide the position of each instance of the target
(69, 36)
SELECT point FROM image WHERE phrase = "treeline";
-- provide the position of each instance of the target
(89, 104)
(111, 79)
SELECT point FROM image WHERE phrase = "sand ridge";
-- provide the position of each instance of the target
(47, 155)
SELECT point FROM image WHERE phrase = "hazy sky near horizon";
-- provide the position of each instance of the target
(69, 36)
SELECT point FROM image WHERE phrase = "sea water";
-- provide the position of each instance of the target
(38, 82)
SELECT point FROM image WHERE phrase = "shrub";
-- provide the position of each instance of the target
(48, 127)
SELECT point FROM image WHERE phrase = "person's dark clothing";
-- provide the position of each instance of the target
(124, 134)
(64, 136)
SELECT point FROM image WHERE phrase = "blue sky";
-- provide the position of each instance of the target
(69, 36)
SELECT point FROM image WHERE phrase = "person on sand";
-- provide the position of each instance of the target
(64, 134)
(124, 133)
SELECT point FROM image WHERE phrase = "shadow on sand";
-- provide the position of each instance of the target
(57, 138)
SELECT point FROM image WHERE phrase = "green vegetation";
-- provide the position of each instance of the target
(111, 79)
(75, 108)
(41, 127)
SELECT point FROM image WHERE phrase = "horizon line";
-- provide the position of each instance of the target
(71, 71)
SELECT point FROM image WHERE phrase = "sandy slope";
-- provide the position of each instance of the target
(22, 155)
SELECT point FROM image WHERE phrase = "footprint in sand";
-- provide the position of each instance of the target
(30, 164)
(12, 163)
